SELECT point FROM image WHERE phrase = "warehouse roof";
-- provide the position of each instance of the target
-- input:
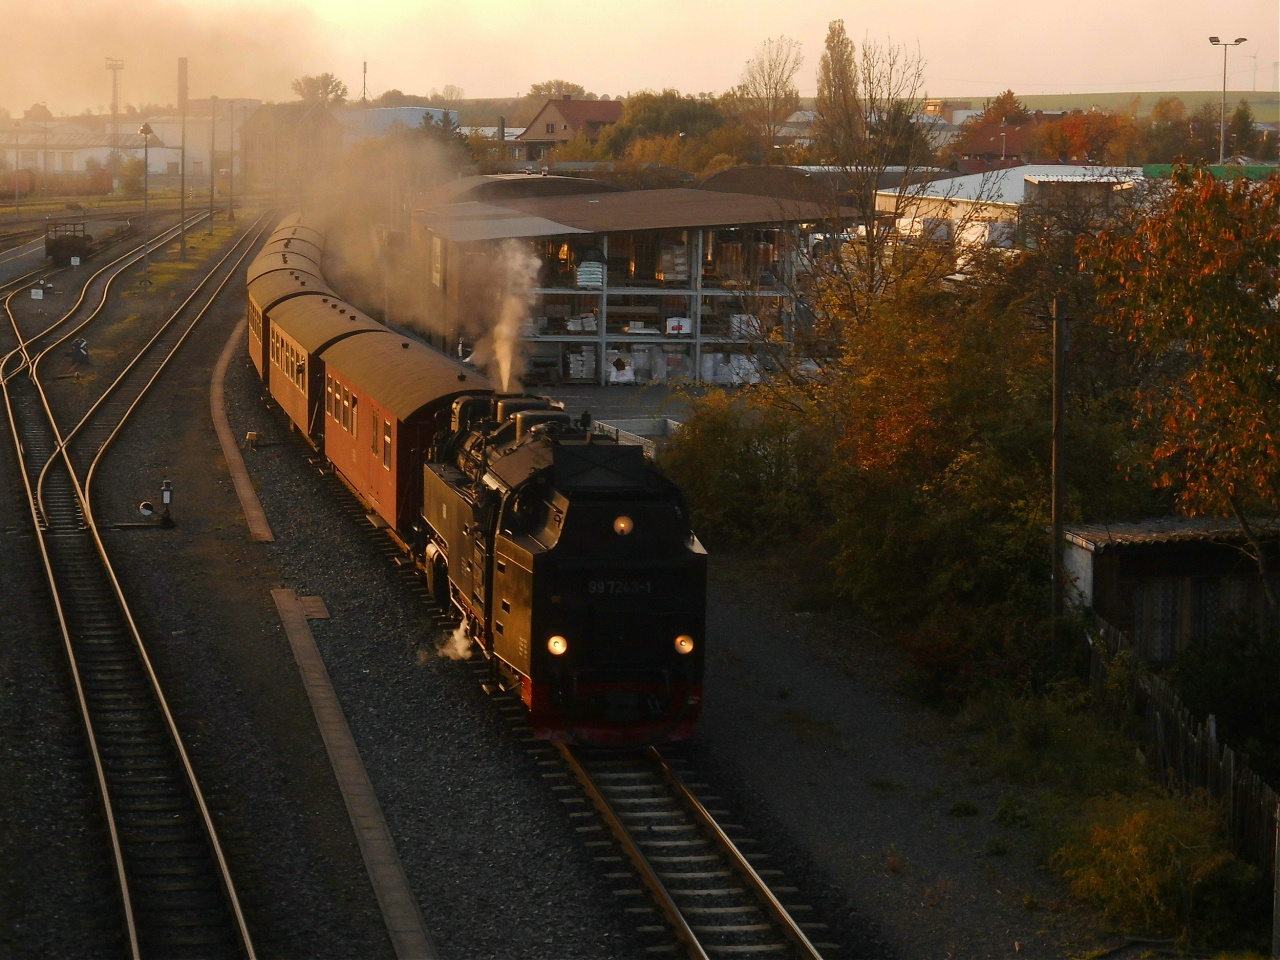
(314, 326)
(1008, 186)
(402, 375)
(611, 213)
(1097, 537)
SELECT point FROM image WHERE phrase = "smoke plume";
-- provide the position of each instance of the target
(518, 273)
(456, 645)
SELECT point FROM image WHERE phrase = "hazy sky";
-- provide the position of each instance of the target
(55, 50)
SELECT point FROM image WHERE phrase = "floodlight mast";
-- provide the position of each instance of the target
(1222, 119)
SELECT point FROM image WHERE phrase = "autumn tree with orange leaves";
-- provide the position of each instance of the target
(1194, 282)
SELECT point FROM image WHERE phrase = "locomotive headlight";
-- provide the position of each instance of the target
(623, 525)
(557, 645)
(684, 643)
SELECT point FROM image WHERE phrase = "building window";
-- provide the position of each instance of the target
(386, 444)
(551, 128)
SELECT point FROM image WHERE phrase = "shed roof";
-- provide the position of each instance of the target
(316, 322)
(1097, 537)
(266, 262)
(612, 212)
(280, 285)
(402, 375)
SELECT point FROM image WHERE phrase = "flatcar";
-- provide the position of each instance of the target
(568, 558)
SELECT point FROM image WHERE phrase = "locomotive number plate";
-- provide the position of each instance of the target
(620, 588)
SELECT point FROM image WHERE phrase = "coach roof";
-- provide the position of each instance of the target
(296, 245)
(316, 322)
(297, 262)
(298, 232)
(280, 285)
(402, 375)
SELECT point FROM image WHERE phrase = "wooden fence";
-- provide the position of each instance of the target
(1184, 752)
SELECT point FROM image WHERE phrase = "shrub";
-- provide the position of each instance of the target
(1144, 858)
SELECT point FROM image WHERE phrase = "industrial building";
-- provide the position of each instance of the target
(630, 287)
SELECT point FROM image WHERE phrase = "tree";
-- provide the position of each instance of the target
(1193, 282)
(1169, 110)
(1241, 134)
(1005, 108)
(558, 90)
(767, 93)
(669, 113)
(324, 89)
(837, 108)
(451, 92)
(37, 111)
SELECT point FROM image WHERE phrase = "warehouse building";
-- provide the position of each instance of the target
(629, 286)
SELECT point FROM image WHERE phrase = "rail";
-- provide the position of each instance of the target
(646, 804)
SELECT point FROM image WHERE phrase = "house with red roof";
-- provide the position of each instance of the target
(560, 121)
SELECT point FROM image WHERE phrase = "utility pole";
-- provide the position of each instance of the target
(17, 160)
(1059, 378)
(364, 87)
(182, 155)
(213, 141)
(146, 132)
(115, 66)
(231, 190)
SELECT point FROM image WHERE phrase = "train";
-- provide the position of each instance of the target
(567, 557)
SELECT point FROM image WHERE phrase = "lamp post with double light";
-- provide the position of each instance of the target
(1222, 124)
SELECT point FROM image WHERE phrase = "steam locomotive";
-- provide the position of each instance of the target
(568, 557)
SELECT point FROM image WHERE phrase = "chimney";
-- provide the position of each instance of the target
(502, 130)
(568, 96)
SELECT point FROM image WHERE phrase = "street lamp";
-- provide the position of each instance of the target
(145, 130)
(213, 141)
(1222, 125)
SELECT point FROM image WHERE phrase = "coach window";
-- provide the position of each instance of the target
(373, 433)
(386, 444)
(346, 409)
(328, 396)
(355, 418)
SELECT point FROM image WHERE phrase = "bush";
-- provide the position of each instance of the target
(1146, 859)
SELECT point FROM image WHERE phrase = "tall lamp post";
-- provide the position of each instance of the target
(145, 130)
(1222, 124)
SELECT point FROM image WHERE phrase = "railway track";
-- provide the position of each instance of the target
(707, 888)
(176, 894)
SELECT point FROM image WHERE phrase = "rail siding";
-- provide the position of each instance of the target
(1186, 753)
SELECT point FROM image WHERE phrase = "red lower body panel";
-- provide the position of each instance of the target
(613, 714)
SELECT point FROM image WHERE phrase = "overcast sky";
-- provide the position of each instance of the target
(55, 50)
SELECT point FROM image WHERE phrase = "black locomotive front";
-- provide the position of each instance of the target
(581, 578)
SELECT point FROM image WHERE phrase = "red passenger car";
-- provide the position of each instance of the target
(265, 294)
(300, 330)
(385, 400)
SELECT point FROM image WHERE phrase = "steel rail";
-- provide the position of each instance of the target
(77, 682)
(648, 875)
(82, 504)
(739, 860)
(658, 803)
(109, 391)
